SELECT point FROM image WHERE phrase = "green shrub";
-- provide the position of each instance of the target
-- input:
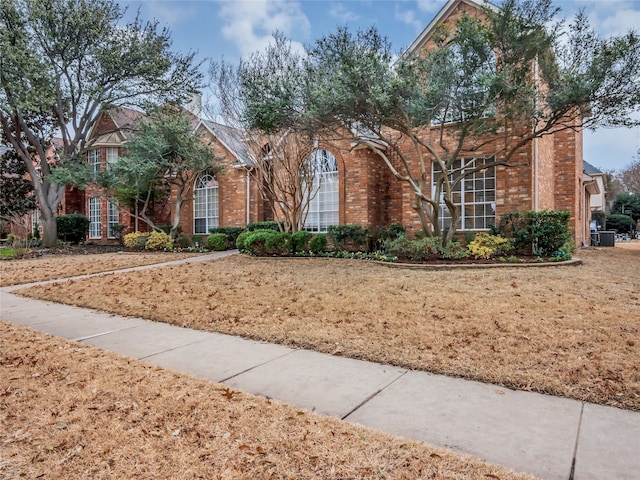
(486, 245)
(72, 228)
(158, 241)
(269, 225)
(318, 243)
(217, 242)
(11, 239)
(135, 239)
(267, 242)
(424, 248)
(379, 235)
(241, 240)
(182, 241)
(540, 233)
(199, 239)
(619, 223)
(300, 241)
(231, 233)
(348, 237)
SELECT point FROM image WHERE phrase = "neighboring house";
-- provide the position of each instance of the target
(356, 188)
(595, 195)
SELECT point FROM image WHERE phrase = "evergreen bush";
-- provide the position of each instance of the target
(72, 228)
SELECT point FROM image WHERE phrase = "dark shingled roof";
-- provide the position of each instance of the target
(590, 169)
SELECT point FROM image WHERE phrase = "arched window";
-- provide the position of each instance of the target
(323, 196)
(205, 204)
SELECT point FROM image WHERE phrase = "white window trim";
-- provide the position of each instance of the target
(112, 155)
(208, 186)
(111, 219)
(320, 211)
(95, 213)
(93, 157)
(467, 185)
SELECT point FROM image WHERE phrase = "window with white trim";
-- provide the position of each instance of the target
(113, 217)
(323, 202)
(94, 161)
(474, 195)
(205, 204)
(94, 218)
(112, 156)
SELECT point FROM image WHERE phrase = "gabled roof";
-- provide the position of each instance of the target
(419, 43)
(229, 137)
(125, 121)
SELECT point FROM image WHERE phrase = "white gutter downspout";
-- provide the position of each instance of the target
(248, 197)
(536, 79)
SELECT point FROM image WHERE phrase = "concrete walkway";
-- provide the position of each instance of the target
(553, 438)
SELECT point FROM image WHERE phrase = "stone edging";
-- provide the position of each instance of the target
(469, 266)
(442, 266)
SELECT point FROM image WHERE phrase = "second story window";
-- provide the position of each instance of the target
(112, 156)
(94, 161)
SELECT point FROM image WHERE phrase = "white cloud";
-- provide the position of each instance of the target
(615, 21)
(170, 13)
(429, 5)
(409, 17)
(249, 25)
(339, 11)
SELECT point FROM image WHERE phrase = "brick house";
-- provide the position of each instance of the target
(357, 187)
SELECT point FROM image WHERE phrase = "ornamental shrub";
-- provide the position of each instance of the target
(72, 228)
(267, 242)
(540, 233)
(300, 241)
(241, 240)
(347, 237)
(231, 233)
(158, 241)
(269, 225)
(135, 239)
(318, 243)
(486, 245)
(217, 242)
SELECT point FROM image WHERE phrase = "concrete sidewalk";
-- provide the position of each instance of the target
(553, 438)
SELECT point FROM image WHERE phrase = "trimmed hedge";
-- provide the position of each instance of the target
(217, 242)
(540, 233)
(72, 228)
(231, 233)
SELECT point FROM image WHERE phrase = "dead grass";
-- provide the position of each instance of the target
(49, 267)
(72, 411)
(569, 331)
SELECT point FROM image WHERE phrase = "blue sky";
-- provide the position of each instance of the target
(234, 28)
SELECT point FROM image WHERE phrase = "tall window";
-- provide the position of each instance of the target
(94, 161)
(112, 220)
(112, 156)
(475, 196)
(94, 218)
(205, 204)
(323, 202)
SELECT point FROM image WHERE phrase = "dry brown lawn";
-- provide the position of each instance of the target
(49, 267)
(564, 330)
(73, 411)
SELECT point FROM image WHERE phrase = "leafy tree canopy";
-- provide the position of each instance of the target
(61, 62)
(16, 191)
(515, 72)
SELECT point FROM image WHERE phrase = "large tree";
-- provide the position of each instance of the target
(479, 92)
(166, 155)
(61, 62)
(279, 153)
(630, 176)
(16, 191)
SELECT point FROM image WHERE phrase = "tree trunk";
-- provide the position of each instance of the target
(49, 231)
(176, 216)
